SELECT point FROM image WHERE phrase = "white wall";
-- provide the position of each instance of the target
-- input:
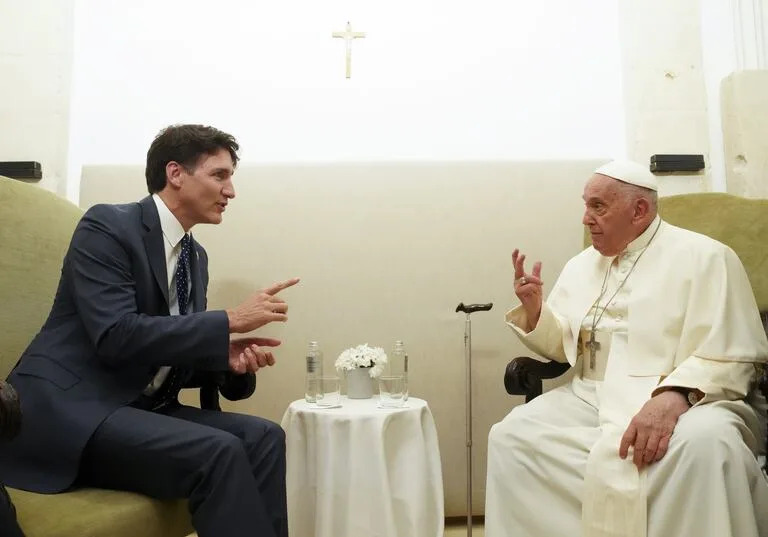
(35, 67)
(664, 85)
(487, 79)
(433, 80)
(734, 38)
(719, 56)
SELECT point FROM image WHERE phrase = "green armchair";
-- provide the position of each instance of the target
(738, 222)
(35, 230)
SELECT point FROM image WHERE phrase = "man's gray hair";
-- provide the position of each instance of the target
(633, 192)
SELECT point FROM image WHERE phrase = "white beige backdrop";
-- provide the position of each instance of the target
(386, 252)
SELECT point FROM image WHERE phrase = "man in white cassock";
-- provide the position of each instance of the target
(654, 436)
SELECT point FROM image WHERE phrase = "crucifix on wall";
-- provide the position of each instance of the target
(348, 36)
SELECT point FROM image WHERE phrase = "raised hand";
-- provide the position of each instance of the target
(261, 308)
(248, 355)
(528, 288)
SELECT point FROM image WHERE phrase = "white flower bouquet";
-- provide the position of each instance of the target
(362, 356)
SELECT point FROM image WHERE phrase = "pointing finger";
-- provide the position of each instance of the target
(261, 341)
(279, 286)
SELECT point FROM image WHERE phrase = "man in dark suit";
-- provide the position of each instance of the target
(128, 328)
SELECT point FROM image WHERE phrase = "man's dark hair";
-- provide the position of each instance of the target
(184, 144)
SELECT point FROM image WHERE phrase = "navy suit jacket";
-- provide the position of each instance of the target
(108, 332)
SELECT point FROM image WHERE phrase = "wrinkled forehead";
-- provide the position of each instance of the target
(600, 187)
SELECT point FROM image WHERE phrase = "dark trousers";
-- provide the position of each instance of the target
(8, 525)
(231, 467)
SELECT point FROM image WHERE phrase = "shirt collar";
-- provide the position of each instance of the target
(644, 238)
(172, 229)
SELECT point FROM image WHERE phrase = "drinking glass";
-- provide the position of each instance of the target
(392, 391)
(328, 392)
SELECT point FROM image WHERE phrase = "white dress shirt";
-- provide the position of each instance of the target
(173, 232)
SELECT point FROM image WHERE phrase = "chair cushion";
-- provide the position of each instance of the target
(99, 513)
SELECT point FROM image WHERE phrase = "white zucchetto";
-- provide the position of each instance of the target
(629, 172)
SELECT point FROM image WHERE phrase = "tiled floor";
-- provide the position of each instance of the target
(452, 529)
(460, 530)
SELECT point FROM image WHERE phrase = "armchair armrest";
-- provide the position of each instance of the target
(10, 411)
(762, 384)
(232, 386)
(236, 387)
(10, 425)
(523, 375)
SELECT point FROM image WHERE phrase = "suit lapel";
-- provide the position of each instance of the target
(197, 278)
(153, 243)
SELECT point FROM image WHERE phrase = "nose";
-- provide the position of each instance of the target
(229, 190)
(587, 218)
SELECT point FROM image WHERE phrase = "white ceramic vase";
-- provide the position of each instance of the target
(359, 383)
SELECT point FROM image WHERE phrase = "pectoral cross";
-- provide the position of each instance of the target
(593, 347)
(348, 36)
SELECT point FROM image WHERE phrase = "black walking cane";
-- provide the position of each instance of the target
(469, 309)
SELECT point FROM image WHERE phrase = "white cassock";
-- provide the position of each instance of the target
(685, 316)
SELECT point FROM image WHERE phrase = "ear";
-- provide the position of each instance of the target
(642, 208)
(174, 173)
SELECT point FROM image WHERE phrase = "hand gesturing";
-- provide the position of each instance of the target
(261, 308)
(246, 355)
(528, 288)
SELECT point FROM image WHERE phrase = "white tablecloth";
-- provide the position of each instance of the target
(363, 471)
